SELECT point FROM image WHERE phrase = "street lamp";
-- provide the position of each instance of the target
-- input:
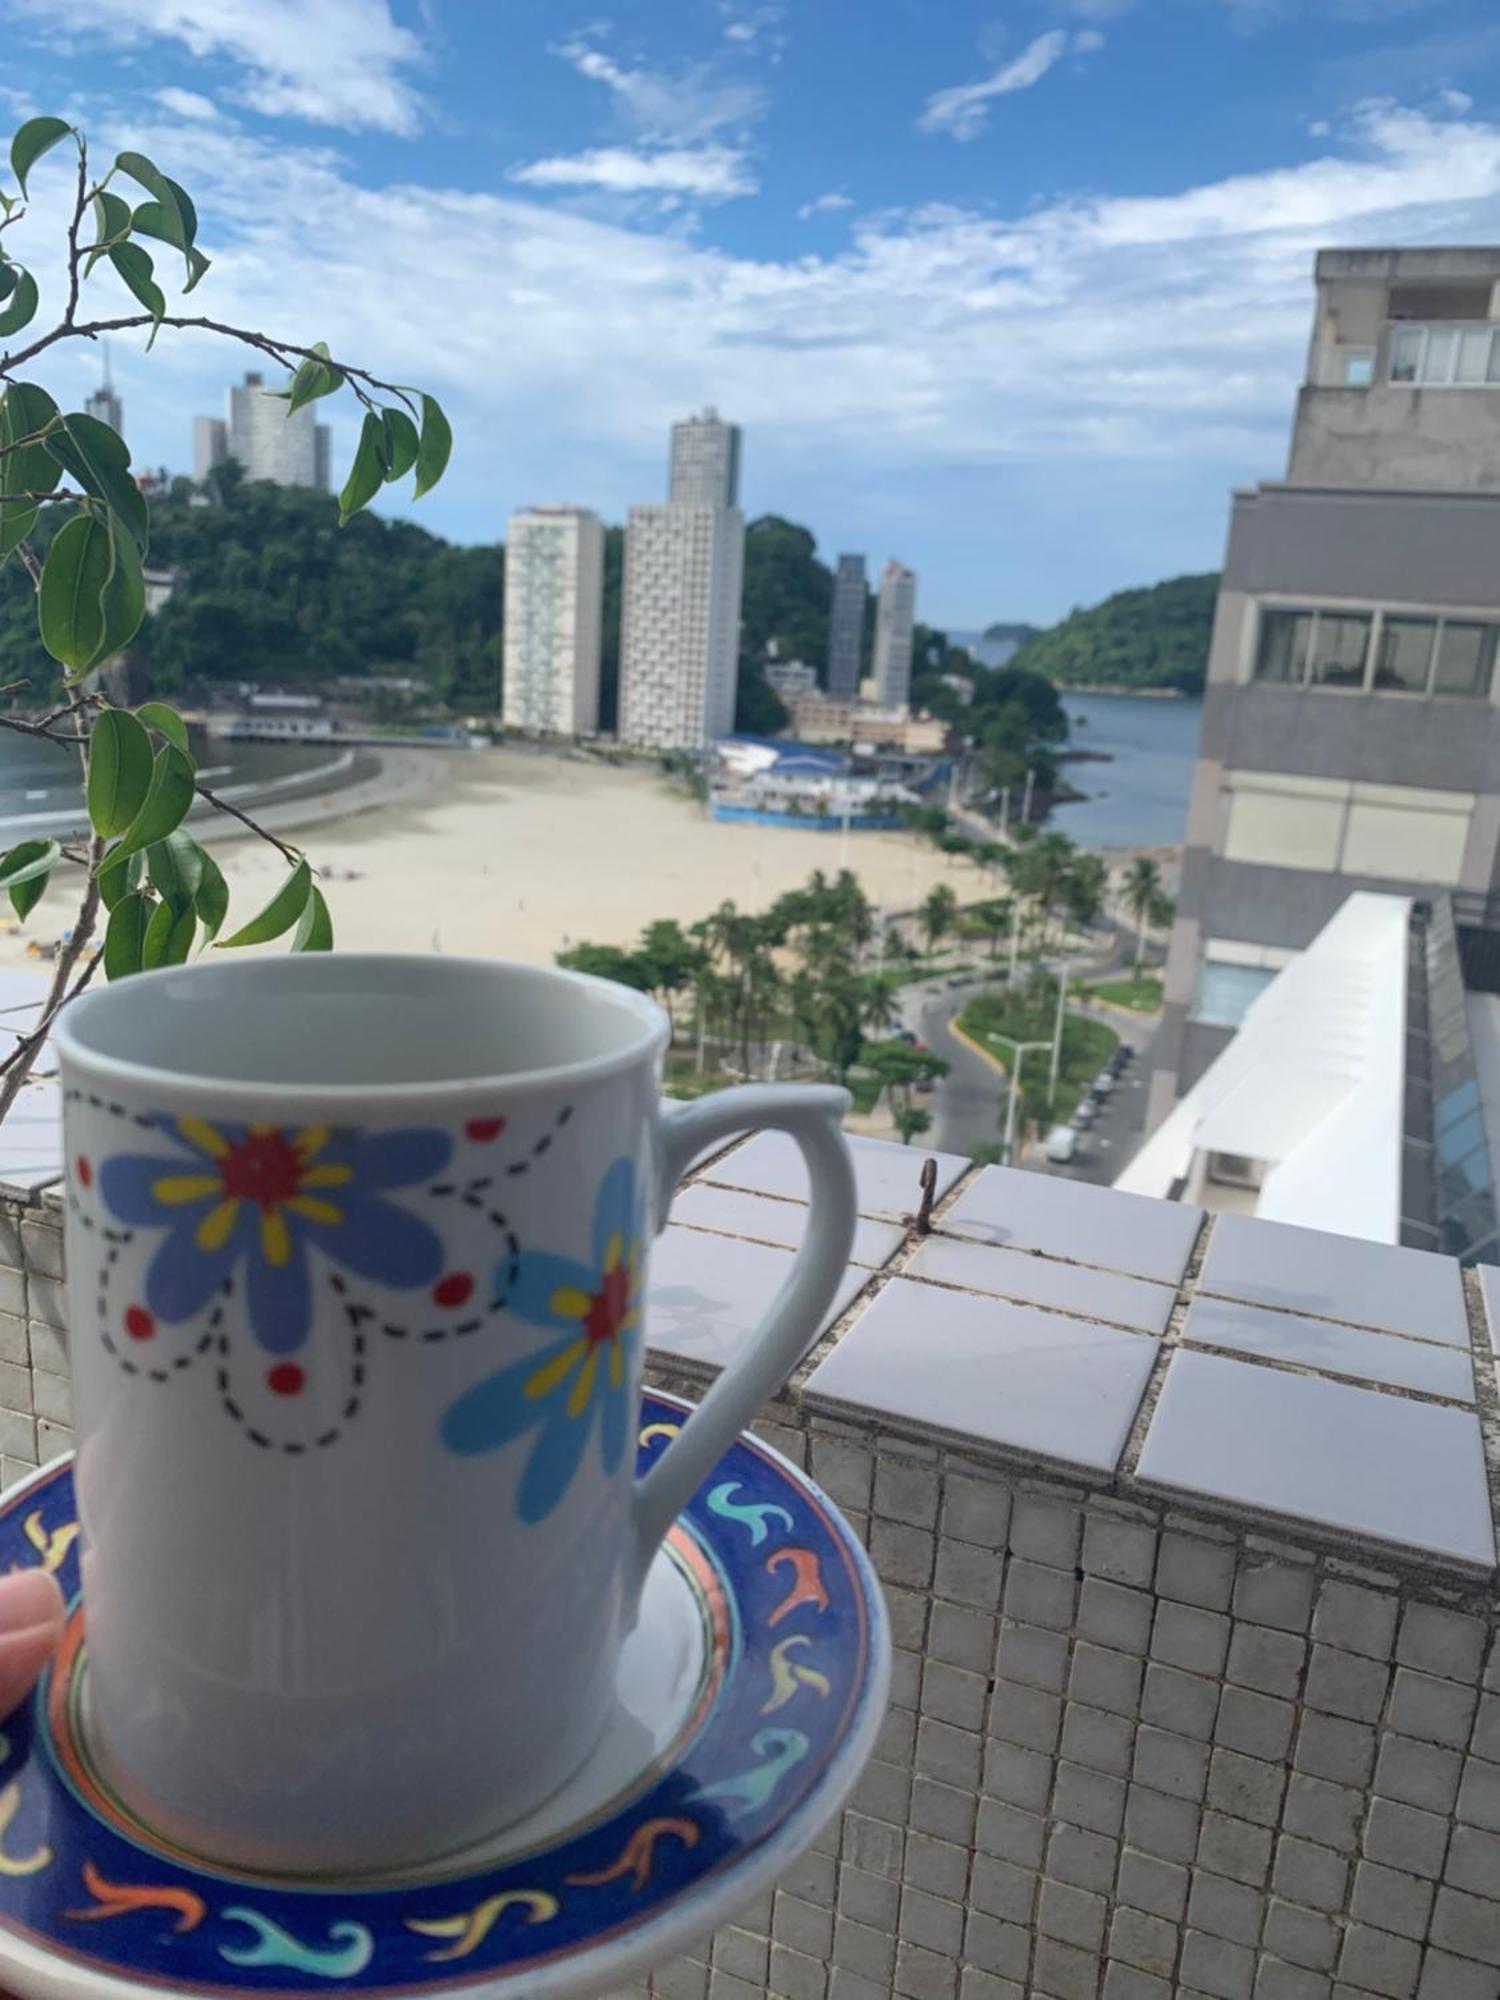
(1019, 1050)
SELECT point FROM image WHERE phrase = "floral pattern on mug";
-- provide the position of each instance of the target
(555, 1392)
(262, 1197)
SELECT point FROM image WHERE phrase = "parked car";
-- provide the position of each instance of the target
(924, 1086)
(1084, 1114)
(904, 1035)
(1062, 1144)
(1125, 1053)
(1103, 1083)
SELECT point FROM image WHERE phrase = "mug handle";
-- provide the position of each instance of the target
(811, 1114)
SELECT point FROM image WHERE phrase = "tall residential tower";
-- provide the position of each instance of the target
(263, 440)
(895, 621)
(680, 612)
(846, 628)
(554, 597)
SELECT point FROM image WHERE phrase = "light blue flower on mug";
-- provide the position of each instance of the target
(555, 1392)
(259, 1197)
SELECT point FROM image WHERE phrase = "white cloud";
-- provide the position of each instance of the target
(1457, 101)
(667, 107)
(963, 111)
(1074, 380)
(824, 204)
(330, 62)
(189, 104)
(754, 29)
(709, 173)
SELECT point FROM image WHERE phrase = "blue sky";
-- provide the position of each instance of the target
(1014, 292)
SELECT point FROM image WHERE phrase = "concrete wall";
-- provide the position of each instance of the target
(1375, 547)
(1392, 434)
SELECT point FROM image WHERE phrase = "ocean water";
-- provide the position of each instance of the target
(1140, 797)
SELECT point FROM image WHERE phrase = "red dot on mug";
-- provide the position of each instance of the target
(454, 1289)
(138, 1323)
(482, 1129)
(285, 1379)
(85, 1170)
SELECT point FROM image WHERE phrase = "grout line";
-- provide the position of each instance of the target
(1285, 1365)
(1486, 1389)
(1329, 1319)
(1135, 1442)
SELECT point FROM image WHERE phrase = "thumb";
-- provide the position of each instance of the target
(31, 1623)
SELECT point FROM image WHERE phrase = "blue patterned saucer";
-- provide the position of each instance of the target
(748, 1701)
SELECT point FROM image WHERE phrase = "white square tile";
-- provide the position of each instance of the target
(1093, 1225)
(1376, 1465)
(1045, 1281)
(885, 1174)
(734, 1213)
(1340, 1350)
(981, 1368)
(707, 1294)
(1338, 1277)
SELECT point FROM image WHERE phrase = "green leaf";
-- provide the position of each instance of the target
(315, 931)
(197, 265)
(136, 268)
(314, 379)
(432, 451)
(169, 937)
(173, 215)
(119, 771)
(401, 443)
(166, 805)
(176, 868)
(120, 878)
(10, 275)
(367, 471)
(69, 613)
(24, 872)
(125, 935)
(16, 522)
(212, 900)
(111, 225)
(36, 136)
(283, 910)
(23, 304)
(24, 411)
(97, 458)
(124, 600)
(166, 722)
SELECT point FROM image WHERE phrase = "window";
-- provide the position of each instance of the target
(1404, 658)
(1447, 356)
(1225, 991)
(1339, 646)
(1358, 367)
(1412, 655)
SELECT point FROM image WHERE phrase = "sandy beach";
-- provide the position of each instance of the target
(511, 853)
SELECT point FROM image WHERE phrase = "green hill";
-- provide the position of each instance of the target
(1151, 638)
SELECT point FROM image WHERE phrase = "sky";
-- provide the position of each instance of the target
(1015, 293)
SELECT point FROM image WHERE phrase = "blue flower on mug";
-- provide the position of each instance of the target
(555, 1392)
(260, 1197)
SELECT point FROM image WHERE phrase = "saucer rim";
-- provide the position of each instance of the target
(53, 1973)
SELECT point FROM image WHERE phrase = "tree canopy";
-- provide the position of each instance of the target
(1151, 638)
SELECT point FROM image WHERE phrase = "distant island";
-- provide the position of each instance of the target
(1153, 640)
(1010, 635)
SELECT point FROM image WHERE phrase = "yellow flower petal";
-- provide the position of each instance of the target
(172, 1190)
(311, 1141)
(570, 1303)
(583, 1388)
(213, 1231)
(275, 1242)
(198, 1132)
(616, 1364)
(554, 1371)
(329, 1174)
(614, 1250)
(315, 1210)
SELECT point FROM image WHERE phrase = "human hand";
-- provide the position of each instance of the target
(31, 1623)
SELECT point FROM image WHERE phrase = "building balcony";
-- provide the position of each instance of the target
(1187, 1527)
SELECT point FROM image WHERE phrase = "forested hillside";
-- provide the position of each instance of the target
(1152, 638)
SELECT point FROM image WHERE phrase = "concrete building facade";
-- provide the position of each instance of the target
(895, 620)
(846, 628)
(105, 405)
(554, 603)
(263, 439)
(704, 466)
(680, 625)
(1351, 722)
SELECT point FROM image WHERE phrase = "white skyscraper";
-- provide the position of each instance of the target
(704, 468)
(680, 617)
(263, 439)
(554, 597)
(895, 618)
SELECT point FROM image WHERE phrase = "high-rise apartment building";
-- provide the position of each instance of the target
(1351, 720)
(106, 406)
(846, 628)
(895, 620)
(260, 436)
(704, 468)
(554, 597)
(680, 610)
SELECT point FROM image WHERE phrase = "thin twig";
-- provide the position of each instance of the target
(19, 1064)
(79, 205)
(223, 806)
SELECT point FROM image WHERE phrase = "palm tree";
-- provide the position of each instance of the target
(937, 913)
(1141, 888)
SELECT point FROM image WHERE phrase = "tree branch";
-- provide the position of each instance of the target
(278, 351)
(74, 277)
(223, 806)
(19, 1064)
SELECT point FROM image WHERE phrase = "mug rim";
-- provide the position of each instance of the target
(192, 1085)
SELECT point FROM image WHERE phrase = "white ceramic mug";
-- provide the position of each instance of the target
(357, 1265)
